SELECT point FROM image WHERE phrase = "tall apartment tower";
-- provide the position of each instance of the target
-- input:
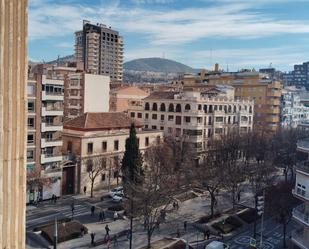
(101, 50)
(13, 77)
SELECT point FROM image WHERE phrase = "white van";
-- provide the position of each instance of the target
(217, 245)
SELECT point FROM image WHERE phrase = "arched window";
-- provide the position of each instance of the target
(199, 107)
(171, 108)
(225, 109)
(239, 108)
(250, 109)
(205, 108)
(210, 109)
(162, 107)
(147, 107)
(178, 108)
(154, 107)
(234, 108)
(230, 109)
(187, 107)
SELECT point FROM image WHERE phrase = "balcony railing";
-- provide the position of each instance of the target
(303, 166)
(300, 213)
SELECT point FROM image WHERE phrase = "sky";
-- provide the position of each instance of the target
(234, 33)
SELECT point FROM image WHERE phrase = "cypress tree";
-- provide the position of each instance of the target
(132, 162)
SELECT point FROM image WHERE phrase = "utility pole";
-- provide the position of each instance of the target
(55, 234)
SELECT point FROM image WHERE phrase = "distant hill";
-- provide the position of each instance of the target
(63, 60)
(158, 65)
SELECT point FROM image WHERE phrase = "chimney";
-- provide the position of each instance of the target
(217, 67)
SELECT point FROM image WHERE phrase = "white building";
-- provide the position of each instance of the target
(194, 115)
(85, 93)
(293, 111)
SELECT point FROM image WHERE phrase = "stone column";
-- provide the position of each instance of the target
(13, 78)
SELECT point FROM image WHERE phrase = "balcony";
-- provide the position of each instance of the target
(52, 96)
(303, 146)
(301, 214)
(50, 111)
(51, 127)
(50, 158)
(298, 239)
(50, 143)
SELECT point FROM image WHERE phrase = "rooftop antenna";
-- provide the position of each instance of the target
(58, 59)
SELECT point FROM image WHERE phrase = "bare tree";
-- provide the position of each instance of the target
(35, 180)
(155, 194)
(95, 166)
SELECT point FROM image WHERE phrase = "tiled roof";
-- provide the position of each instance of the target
(91, 121)
(161, 95)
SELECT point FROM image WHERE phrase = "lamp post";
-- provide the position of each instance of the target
(55, 234)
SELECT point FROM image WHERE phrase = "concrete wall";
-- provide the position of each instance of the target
(13, 78)
(96, 98)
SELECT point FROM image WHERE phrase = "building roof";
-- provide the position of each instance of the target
(96, 121)
(133, 90)
(161, 95)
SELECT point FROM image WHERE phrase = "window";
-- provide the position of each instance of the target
(116, 145)
(30, 106)
(161, 128)
(104, 146)
(30, 154)
(103, 177)
(219, 119)
(171, 108)
(89, 148)
(30, 90)
(147, 108)
(170, 130)
(187, 107)
(187, 119)
(89, 165)
(301, 189)
(30, 138)
(154, 107)
(162, 107)
(178, 120)
(69, 146)
(199, 107)
(154, 116)
(146, 141)
(178, 108)
(218, 130)
(154, 127)
(139, 115)
(30, 122)
(146, 115)
(132, 114)
(162, 117)
(170, 117)
(199, 120)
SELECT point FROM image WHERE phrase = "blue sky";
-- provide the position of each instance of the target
(235, 33)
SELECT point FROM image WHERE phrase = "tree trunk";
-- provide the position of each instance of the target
(148, 239)
(91, 189)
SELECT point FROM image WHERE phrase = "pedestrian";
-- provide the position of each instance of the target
(92, 238)
(85, 189)
(55, 199)
(208, 235)
(82, 231)
(107, 230)
(52, 198)
(103, 215)
(185, 226)
(92, 210)
(100, 216)
(115, 216)
(238, 196)
(72, 208)
(178, 233)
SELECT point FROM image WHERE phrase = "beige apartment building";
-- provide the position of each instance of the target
(100, 48)
(122, 97)
(13, 78)
(194, 115)
(95, 135)
(85, 93)
(45, 123)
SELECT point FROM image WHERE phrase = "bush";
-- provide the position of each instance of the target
(226, 228)
(116, 208)
(66, 231)
(247, 215)
(233, 221)
(206, 219)
(40, 228)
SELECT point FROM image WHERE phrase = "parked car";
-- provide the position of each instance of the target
(217, 245)
(118, 191)
(117, 198)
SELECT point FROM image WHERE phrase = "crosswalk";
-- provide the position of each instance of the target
(37, 217)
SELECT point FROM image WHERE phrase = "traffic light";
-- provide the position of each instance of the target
(260, 205)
